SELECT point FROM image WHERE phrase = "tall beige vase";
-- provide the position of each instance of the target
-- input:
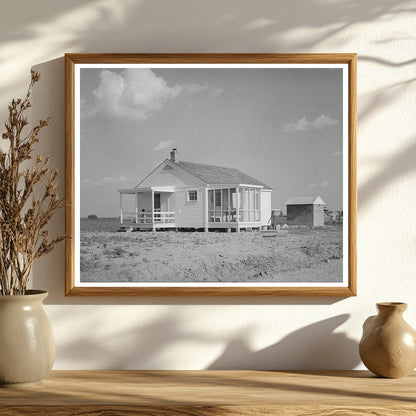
(27, 347)
(388, 345)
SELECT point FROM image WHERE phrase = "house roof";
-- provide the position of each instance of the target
(219, 175)
(305, 200)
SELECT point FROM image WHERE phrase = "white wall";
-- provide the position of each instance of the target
(198, 333)
(266, 207)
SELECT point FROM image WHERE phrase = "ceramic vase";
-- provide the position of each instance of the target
(27, 347)
(388, 345)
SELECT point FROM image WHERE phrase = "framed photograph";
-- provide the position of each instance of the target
(211, 174)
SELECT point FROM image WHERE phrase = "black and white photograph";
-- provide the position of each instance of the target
(215, 175)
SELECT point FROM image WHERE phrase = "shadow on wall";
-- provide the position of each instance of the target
(397, 166)
(144, 347)
(132, 26)
(48, 100)
(92, 26)
(153, 345)
(314, 347)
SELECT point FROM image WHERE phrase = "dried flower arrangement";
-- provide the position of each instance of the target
(28, 199)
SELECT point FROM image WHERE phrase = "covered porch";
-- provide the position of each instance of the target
(234, 208)
(149, 208)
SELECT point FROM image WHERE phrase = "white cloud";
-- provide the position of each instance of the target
(215, 92)
(199, 88)
(164, 144)
(133, 93)
(303, 124)
(337, 153)
(323, 121)
(137, 94)
(300, 125)
(87, 109)
(195, 88)
(321, 185)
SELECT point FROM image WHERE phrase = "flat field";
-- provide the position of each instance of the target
(293, 255)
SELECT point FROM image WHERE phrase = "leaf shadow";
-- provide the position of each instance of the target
(313, 347)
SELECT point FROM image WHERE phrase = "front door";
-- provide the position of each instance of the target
(157, 202)
(156, 206)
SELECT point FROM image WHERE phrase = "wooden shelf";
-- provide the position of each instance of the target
(202, 393)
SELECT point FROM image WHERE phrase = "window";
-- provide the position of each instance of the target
(192, 195)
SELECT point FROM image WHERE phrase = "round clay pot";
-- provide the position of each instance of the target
(27, 347)
(388, 344)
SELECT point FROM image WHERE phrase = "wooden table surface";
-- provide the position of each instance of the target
(254, 393)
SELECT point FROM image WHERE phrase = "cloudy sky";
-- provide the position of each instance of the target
(282, 126)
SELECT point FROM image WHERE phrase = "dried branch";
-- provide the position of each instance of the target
(24, 217)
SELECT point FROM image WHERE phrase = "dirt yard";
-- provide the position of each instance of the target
(294, 255)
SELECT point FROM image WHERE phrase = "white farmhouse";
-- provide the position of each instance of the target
(184, 195)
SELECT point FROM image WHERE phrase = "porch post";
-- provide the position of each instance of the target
(136, 206)
(153, 210)
(229, 206)
(237, 209)
(206, 209)
(259, 207)
(121, 208)
(248, 190)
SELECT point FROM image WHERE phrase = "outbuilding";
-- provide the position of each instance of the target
(305, 210)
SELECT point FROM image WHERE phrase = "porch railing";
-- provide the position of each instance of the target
(147, 217)
(245, 215)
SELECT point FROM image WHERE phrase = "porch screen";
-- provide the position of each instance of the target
(221, 205)
(249, 204)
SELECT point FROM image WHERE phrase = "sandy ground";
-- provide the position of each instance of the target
(295, 255)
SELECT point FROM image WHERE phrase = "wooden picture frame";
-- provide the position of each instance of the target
(103, 88)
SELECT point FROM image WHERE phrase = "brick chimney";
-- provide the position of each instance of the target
(173, 154)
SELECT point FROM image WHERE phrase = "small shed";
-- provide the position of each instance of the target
(305, 210)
